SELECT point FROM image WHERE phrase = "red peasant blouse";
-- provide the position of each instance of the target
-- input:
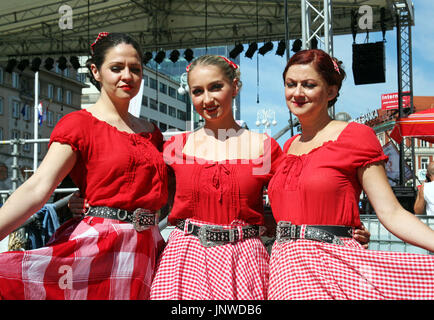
(322, 187)
(114, 168)
(220, 192)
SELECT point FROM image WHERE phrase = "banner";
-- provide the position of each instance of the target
(390, 101)
(392, 166)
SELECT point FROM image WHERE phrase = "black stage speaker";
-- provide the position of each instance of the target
(406, 196)
(369, 63)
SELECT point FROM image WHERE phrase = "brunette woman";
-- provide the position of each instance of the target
(115, 160)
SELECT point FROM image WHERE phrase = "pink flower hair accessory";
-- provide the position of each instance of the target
(99, 37)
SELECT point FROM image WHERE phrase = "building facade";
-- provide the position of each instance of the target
(59, 94)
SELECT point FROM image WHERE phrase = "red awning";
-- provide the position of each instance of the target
(417, 125)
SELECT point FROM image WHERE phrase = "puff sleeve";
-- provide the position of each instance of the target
(70, 130)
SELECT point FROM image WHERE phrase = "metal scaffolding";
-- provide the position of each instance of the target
(404, 21)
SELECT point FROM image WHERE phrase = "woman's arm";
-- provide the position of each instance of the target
(391, 214)
(35, 192)
(419, 204)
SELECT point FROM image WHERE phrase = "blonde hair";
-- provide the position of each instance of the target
(228, 70)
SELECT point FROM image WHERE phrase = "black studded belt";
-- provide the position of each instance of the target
(141, 218)
(213, 235)
(324, 233)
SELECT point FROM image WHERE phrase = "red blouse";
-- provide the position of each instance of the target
(322, 187)
(220, 191)
(114, 168)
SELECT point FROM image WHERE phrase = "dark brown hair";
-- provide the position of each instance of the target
(103, 45)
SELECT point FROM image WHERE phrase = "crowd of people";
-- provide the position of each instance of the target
(213, 179)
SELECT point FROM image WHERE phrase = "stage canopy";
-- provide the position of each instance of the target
(417, 125)
(31, 28)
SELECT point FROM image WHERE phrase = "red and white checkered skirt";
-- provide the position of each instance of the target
(189, 271)
(94, 258)
(305, 269)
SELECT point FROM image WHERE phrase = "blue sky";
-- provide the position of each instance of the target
(355, 100)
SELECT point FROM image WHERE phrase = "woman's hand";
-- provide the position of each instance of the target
(78, 206)
(362, 236)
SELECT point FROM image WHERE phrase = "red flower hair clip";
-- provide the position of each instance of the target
(229, 62)
(100, 36)
(335, 65)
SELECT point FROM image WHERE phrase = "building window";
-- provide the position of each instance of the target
(27, 112)
(1, 105)
(68, 97)
(15, 80)
(163, 107)
(145, 81)
(15, 134)
(15, 109)
(172, 112)
(153, 104)
(424, 163)
(145, 101)
(1, 134)
(59, 94)
(58, 117)
(152, 83)
(50, 118)
(182, 97)
(163, 88)
(424, 144)
(180, 115)
(172, 92)
(50, 91)
(27, 146)
(1, 76)
(163, 127)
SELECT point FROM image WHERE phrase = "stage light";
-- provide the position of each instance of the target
(188, 55)
(10, 65)
(160, 57)
(236, 51)
(251, 50)
(23, 64)
(268, 46)
(281, 47)
(296, 45)
(62, 63)
(174, 56)
(147, 57)
(75, 62)
(49, 62)
(36, 62)
(314, 43)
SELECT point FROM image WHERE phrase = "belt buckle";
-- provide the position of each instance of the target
(280, 226)
(143, 219)
(202, 235)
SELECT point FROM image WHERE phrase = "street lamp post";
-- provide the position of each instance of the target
(265, 117)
